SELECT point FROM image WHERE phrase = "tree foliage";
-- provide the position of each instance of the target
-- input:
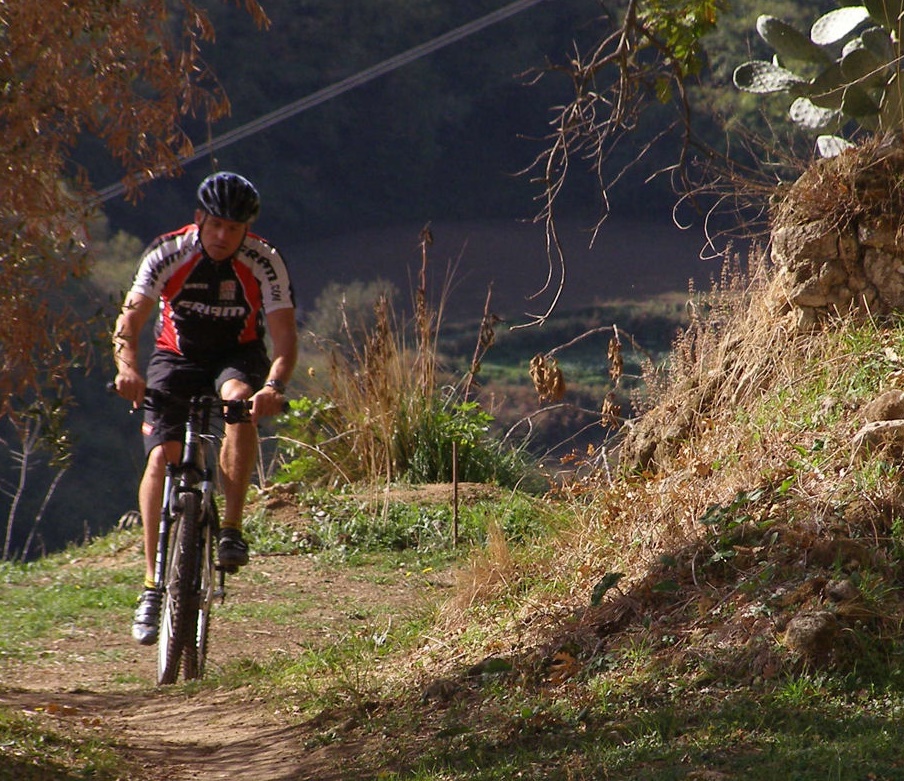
(125, 73)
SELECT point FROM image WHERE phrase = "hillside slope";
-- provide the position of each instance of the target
(731, 608)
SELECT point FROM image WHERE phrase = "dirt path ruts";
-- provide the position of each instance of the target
(101, 682)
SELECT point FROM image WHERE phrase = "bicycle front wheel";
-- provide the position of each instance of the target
(180, 606)
(194, 655)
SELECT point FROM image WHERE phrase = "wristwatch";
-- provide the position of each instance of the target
(278, 385)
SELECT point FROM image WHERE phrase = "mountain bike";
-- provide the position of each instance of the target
(189, 528)
(186, 572)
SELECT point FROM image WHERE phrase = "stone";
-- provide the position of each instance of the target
(806, 243)
(888, 406)
(880, 434)
(811, 633)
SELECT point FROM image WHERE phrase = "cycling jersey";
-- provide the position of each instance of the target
(207, 305)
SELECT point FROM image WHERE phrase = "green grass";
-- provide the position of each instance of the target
(630, 718)
(33, 748)
(399, 532)
(640, 731)
(57, 597)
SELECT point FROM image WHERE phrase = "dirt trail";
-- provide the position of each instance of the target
(100, 682)
(204, 736)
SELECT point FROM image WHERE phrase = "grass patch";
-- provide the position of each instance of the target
(62, 596)
(351, 527)
(34, 748)
(640, 731)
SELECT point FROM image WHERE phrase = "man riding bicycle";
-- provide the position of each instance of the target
(219, 288)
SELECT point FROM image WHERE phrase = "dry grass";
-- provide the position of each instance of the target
(754, 493)
(487, 574)
(865, 181)
(381, 388)
(381, 383)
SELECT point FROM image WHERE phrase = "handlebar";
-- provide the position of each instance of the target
(233, 410)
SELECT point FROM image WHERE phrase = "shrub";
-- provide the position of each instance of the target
(383, 414)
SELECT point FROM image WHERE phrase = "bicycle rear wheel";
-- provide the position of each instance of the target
(180, 604)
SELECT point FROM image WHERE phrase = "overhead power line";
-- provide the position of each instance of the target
(340, 87)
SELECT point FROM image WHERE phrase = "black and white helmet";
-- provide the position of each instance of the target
(229, 196)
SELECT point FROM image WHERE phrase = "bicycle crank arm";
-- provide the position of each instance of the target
(220, 592)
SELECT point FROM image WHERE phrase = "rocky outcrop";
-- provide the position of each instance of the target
(825, 269)
(837, 238)
(836, 250)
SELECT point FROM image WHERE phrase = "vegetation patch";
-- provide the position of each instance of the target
(57, 742)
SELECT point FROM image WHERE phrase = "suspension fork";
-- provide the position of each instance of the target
(176, 483)
(163, 527)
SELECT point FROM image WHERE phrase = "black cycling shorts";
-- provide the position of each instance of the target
(183, 378)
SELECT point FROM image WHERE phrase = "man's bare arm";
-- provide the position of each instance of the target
(284, 337)
(136, 309)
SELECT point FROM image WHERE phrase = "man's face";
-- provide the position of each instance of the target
(220, 238)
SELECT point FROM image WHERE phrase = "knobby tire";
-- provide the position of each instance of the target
(180, 607)
(195, 650)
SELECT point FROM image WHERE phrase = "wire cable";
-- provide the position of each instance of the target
(334, 90)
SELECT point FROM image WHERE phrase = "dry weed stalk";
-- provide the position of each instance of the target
(426, 324)
(488, 573)
(486, 338)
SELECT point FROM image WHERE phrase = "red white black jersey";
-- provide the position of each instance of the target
(209, 306)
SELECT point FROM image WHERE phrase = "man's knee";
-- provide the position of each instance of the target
(236, 389)
(160, 456)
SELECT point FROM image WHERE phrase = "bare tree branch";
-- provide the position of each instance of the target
(650, 55)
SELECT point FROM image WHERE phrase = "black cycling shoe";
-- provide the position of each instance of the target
(147, 617)
(232, 551)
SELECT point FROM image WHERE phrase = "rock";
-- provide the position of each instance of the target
(841, 590)
(881, 434)
(826, 267)
(442, 690)
(888, 406)
(811, 634)
(797, 245)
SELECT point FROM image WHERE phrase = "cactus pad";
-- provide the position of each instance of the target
(763, 77)
(837, 24)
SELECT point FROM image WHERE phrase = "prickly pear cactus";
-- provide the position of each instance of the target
(847, 68)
